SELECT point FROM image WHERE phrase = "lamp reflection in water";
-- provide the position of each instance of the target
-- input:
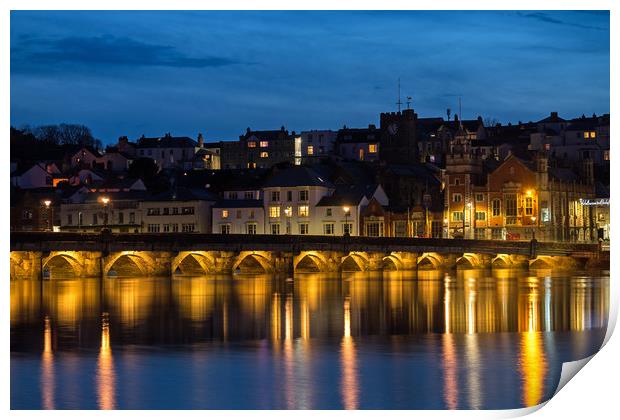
(472, 346)
(533, 364)
(449, 352)
(349, 384)
(47, 368)
(106, 377)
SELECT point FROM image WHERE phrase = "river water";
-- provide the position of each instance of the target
(463, 340)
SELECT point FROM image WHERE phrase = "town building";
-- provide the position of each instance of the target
(317, 145)
(260, 149)
(178, 210)
(361, 144)
(168, 151)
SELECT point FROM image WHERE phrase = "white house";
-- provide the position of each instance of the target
(178, 210)
(39, 175)
(241, 216)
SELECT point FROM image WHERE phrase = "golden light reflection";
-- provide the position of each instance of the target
(533, 366)
(349, 383)
(276, 323)
(289, 360)
(47, 368)
(472, 358)
(106, 376)
(450, 372)
(470, 313)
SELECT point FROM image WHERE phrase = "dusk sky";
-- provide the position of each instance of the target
(134, 73)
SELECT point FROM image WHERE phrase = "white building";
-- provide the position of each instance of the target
(39, 175)
(178, 210)
(240, 216)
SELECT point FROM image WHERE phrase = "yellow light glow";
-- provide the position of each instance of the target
(105, 200)
(47, 203)
(346, 209)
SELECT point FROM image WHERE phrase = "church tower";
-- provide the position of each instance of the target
(398, 137)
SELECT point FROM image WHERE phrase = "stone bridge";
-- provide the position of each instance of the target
(58, 255)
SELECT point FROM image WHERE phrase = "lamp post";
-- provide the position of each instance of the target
(346, 210)
(464, 218)
(47, 204)
(288, 212)
(533, 227)
(105, 201)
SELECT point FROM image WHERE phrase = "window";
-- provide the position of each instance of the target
(436, 228)
(264, 143)
(303, 228)
(26, 215)
(175, 210)
(152, 212)
(457, 198)
(302, 211)
(251, 214)
(481, 215)
(69, 219)
(274, 211)
(275, 229)
(496, 233)
(188, 227)
(166, 211)
(232, 195)
(479, 197)
(328, 229)
(374, 229)
(511, 209)
(289, 196)
(496, 207)
(175, 227)
(347, 228)
(303, 195)
(310, 150)
(372, 148)
(529, 206)
(457, 216)
(187, 210)
(457, 181)
(264, 154)
(166, 227)
(153, 228)
(251, 144)
(225, 229)
(592, 134)
(238, 214)
(328, 212)
(606, 155)
(121, 217)
(224, 214)
(400, 228)
(250, 228)
(275, 195)
(248, 195)
(81, 218)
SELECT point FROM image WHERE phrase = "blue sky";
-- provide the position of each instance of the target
(134, 73)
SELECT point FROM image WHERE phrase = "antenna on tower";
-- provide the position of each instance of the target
(399, 103)
(460, 112)
(409, 98)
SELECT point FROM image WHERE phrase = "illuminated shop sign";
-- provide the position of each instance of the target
(594, 202)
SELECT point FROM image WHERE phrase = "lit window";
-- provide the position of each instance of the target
(310, 150)
(457, 216)
(481, 215)
(496, 207)
(251, 144)
(328, 229)
(224, 214)
(264, 154)
(457, 198)
(372, 148)
(303, 211)
(606, 154)
(592, 134)
(586, 134)
(274, 211)
(264, 144)
(529, 206)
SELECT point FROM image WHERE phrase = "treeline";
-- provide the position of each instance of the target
(57, 135)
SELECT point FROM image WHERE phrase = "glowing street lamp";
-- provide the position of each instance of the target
(105, 201)
(47, 203)
(533, 218)
(288, 212)
(346, 210)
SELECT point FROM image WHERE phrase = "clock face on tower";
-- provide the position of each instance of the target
(393, 128)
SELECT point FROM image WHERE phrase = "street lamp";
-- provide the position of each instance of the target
(346, 210)
(47, 204)
(533, 227)
(288, 212)
(105, 201)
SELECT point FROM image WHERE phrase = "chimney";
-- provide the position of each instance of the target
(201, 140)
(554, 115)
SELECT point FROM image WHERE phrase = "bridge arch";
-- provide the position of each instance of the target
(253, 262)
(193, 263)
(129, 264)
(430, 261)
(542, 262)
(61, 265)
(501, 261)
(392, 263)
(354, 261)
(310, 262)
(469, 260)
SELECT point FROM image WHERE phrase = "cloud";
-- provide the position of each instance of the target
(543, 17)
(110, 51)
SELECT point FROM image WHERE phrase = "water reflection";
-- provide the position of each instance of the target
(314, 331)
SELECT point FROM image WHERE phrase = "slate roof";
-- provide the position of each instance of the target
(348, 195)
(183, 194)
(552, 118)
(358, 135)
(563, 174)
(165, 141)
(238, 204)
(297, 176)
